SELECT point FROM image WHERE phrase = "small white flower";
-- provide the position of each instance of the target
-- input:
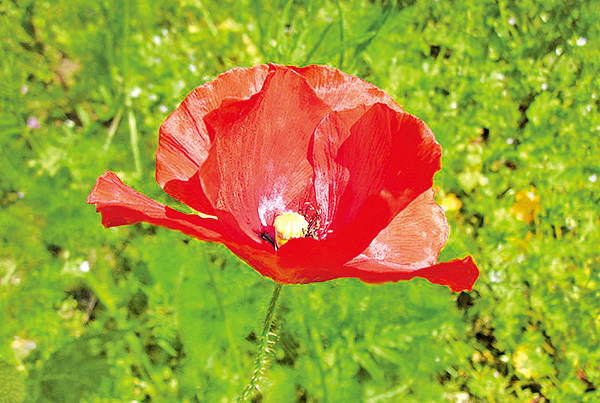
(193, 68)
(496, 276)
(157, 40)
(136, 92)
(512, 21)
(544, 87)
(581, 41)
(510, 140)
(163, 109)
(69, 123)
(84, 266)
(24, 346)
(593, 178)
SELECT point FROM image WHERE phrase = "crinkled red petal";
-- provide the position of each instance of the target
(184, 142)
(415, 237)
(121, 205)
(409, 247)
(367, 170)
(257, 166)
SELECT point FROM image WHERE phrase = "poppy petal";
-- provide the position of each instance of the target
(415, 237)
(266, 262)
(184, 142)
(385, 153)
(367, 170)
(342, 91)
(410, 246)
(121, 205)
(330, 177)
(391, 158)
(257, 166)
(458, 274)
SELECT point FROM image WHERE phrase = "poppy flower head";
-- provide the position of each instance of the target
(307, 174)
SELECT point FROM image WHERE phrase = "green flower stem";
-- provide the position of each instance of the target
(267, 342)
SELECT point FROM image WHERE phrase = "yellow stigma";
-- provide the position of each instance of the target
(289, 225)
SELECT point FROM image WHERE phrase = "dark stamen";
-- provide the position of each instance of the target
(266, 237)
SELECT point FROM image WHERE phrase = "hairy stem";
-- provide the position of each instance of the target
(267, 343)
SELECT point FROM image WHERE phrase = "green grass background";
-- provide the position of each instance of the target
(510, 90)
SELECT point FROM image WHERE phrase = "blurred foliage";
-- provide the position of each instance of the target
(142, 314)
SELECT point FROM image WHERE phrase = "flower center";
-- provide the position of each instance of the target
(289, 225)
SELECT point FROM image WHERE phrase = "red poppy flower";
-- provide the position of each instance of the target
(307, 174)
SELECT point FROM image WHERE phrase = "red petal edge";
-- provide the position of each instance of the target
(121, 205)
(183, 140)
(458, 275)
(342, 91)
